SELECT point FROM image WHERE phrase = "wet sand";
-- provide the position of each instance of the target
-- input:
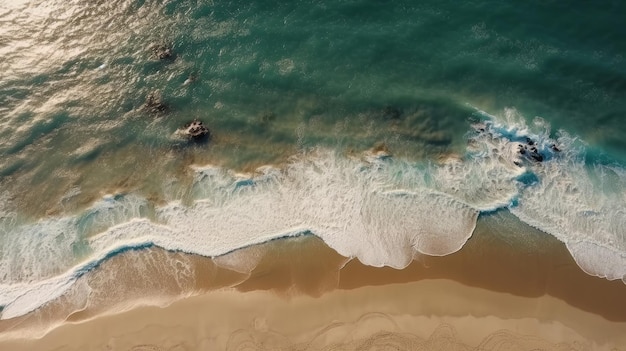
(436, 314)
(502, 291)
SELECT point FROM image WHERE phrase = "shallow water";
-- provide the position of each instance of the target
(326, 93)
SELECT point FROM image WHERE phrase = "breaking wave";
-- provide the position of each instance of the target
(373, 207)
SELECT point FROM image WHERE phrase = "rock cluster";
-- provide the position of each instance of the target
(530, 149)
(196, 130)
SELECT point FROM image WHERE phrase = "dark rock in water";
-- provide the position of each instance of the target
(162, 52)
(196, 130)
(532, 153)
(391, 112)
(267, 117)
(529, 141)
(536, 156)
(154, 103)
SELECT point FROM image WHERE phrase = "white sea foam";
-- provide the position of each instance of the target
(574, 203)
(581, 204)
(21, 298)
(377, 209)
(50, 247)
(358, 208)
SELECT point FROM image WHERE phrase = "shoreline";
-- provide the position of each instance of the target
(495, 278)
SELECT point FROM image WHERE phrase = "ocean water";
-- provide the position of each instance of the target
(385, 128)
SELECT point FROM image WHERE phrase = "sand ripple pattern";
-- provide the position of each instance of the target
(443, 338)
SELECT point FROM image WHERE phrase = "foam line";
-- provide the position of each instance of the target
(582, 204)
(355, 206)
(377, 209)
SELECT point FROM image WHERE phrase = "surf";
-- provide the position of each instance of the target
(379, 209)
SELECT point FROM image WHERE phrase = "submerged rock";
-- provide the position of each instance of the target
(391, 112)
(380, 150)
(155, 104)
(162, 52)
(268, 117)
(190, 79)
(196, 131)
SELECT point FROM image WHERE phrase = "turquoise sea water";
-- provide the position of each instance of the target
(451, 90)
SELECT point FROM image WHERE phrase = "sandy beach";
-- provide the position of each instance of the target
(431, 314)
(329, 175)
(298, 294)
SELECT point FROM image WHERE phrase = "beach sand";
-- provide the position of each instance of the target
(500, 292)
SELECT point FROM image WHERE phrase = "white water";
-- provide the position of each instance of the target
(581, 204)
(379, 210)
